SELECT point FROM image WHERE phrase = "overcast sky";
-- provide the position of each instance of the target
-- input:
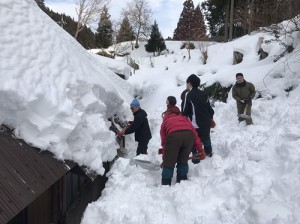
(165, 12)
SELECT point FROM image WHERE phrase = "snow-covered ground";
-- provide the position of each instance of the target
(57, 96)
(253, 176)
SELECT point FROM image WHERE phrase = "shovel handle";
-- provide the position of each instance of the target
(124, 129)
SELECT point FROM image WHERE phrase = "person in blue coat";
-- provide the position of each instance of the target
(140, 127)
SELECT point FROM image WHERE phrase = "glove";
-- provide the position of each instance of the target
(196, 156)
(212, 123)
(243, 101)
(202, 155)
(120, 134)
(248, 100)
(160, 151)
(129, 122)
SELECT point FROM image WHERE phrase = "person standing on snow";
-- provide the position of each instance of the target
(178, 139)
(243, 92)
(140, 127)
(183, 96)
(197, 108)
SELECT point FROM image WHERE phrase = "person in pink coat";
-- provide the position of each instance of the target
(178, 139)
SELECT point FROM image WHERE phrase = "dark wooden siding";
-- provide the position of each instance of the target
(25, 173)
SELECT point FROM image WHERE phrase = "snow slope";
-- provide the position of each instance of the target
(253, 177)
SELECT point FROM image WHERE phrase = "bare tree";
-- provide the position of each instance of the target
(203, 47)
(88, 12)
(120, 49)
(140, 16)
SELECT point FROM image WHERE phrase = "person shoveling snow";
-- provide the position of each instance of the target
(178, 139)
(139, 126)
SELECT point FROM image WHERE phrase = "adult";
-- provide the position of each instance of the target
(140, 127)
(243, 92)
(197, 108)
(183, 96)
(178, 139)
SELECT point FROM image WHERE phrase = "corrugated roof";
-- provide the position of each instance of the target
(25, 173)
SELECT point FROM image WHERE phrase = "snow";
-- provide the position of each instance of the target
(57, 96)
(119, 67)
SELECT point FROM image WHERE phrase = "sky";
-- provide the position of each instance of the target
(57, 96)
(165, 12)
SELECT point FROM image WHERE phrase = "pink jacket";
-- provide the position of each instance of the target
(175, 122)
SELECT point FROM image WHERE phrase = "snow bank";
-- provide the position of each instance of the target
(53, 93)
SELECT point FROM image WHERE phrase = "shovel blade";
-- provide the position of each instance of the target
(147, 165)
(244, 116)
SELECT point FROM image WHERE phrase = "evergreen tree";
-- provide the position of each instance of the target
(184, 25)
(198, 25)
(126, 32)
(266, 12)
(86, 37)
(104, 30)
(41, 3)
(215, 13)
(156, 42)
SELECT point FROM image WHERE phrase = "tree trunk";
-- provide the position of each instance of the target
(227, 19)
(290, 9)
(231, 20)
(251, 11)
(79, 27)
(189, 50)
(137, 37)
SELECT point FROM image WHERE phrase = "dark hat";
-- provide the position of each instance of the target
(172, 100)
(194, 80)
(239, 74)
(182, 96)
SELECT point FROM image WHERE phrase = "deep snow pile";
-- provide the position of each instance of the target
(57, 96)
(53, 93)
(253, 177)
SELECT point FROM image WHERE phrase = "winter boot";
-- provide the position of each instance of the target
(208, 151)
(210, 154)
(249, 121)
(180, 178)
(182, 170)
(241, 119)
(166, 182)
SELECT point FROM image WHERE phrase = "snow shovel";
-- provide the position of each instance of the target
(148, 165)
(145, 164)
(122, 151)
(244, 115)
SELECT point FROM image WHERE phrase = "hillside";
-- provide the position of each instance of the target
(58, 97)
(252, 178)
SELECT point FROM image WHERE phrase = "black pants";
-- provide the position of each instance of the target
(204, 135)
(142, 147)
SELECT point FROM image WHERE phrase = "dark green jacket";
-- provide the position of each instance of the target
(243, 90)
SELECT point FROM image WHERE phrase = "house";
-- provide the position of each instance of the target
(36, 188)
